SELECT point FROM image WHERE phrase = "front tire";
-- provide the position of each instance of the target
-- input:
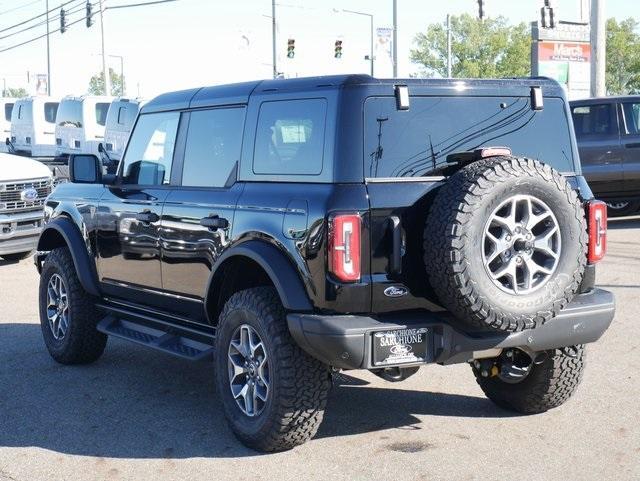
(256, 354)
(68, 315)
(548, 385)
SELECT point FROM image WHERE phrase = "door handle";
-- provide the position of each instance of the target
(633, 145)
(214, 222)
(147, 217)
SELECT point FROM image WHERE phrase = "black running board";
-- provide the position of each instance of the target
(191, 344)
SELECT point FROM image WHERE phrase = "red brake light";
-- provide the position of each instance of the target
(597, 231)
(344, 247)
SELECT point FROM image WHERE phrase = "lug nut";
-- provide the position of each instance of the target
(518, 260)
(528, 236)
(509, 354)
(508, 238)
(484, 373)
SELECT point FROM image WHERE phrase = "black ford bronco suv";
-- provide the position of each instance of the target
(287, 229)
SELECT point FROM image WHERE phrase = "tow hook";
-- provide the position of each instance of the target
(486, 367)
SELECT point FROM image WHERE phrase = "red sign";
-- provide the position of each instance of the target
(564, 51)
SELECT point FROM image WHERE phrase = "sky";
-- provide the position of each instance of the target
(192, 43)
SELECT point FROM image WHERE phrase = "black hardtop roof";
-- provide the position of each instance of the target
(239, 93)
(606, 100)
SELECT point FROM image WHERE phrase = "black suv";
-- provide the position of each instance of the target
(608, 135)
(288, 229)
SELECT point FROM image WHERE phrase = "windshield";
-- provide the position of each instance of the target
(70, 113)
(101, 113)
(50, 111)
(415, 142)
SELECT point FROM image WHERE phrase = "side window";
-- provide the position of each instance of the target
(149, 154)
(632, 117)
(290, 137)
(593, 120)
(8, 108)
(214, 141)
(121, 115)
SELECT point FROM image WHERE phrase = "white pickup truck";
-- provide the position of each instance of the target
(24, 185)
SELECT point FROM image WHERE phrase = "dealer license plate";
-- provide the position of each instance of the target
(401, 346)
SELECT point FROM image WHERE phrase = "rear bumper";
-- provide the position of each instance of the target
(345, 341)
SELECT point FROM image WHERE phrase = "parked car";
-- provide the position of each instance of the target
(24, 185)
(286, 229)
(120, 119)
(6, 106)
(608, 136)
(80, 124)
(33, 126)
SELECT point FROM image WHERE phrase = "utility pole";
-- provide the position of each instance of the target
(105, 72)
(370, 56)
(448, 46)
(274, 53)
(46, 5)
(598, 49)
(395, 38)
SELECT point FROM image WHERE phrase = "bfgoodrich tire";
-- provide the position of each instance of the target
(548, 385)
(68, 315)
(256, 354)
(505, 244)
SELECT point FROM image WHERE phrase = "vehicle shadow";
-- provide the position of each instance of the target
(135, 403)
(623, 223)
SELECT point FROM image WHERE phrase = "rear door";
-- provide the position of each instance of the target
(631, 146)
(598, 136)
(404, 150)
(199, 213)
(130, 212)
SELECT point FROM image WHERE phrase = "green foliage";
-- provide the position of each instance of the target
(16, 92)
(489, 48)
(96, 84)
(623, 57)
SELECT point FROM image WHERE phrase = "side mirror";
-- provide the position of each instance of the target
(85, 169)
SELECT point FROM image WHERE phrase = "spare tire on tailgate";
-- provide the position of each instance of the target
(505, 243)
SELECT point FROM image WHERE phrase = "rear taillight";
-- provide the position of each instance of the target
(344, 247)
(597, 231)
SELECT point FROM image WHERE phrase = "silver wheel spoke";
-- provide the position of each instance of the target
(521, 244)
(57, 307)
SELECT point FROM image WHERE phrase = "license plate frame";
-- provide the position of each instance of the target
(408, 345)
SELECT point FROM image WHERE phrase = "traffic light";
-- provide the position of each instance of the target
(63, 21)
(291, 48)
(89, 14)
(547, 17)
(337, 53)
(481, 9)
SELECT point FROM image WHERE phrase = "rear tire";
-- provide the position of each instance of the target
(488, 216)
(71, 337)
(547, 386)
(293, 387)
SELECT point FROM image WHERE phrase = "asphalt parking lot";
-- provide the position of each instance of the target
(137, 414)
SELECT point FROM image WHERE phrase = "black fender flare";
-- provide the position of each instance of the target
(85, 269)
(278, 267)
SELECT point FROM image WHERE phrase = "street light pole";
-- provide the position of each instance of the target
(371, 29)
(448, 46)
(273, 39)
(105, 73)
(48, 54)
(395, 38)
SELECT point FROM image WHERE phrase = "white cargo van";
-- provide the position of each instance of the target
(80, 124)
(6, 106)
(120, 119)
(33, 121)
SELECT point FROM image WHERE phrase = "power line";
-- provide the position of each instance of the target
(37, 16)
(70, 11)
(44, 35)
(139, 4)
(20, 7)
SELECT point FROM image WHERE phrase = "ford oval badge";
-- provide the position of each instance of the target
(395, 291)
(29, 195)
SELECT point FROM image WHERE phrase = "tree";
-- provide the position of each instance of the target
(96, 84)
(488, 48)
(15, 92)
(623, 57)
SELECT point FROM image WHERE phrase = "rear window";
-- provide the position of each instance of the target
(101, 113)
(593, 120)
(50, 111)
(416, 142)
(290, 137)
(8, 108)
(70, 113)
